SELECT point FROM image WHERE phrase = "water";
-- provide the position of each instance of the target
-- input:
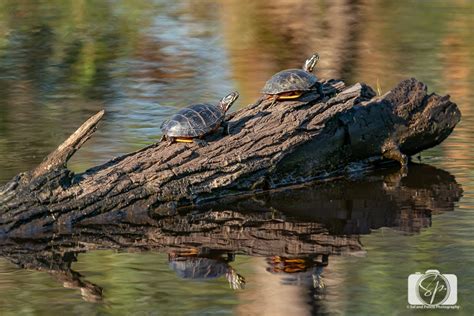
(61, 62)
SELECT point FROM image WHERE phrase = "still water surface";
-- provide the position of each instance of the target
(62, 61)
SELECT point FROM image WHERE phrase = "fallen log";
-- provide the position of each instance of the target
(269, 145)
(324, 218)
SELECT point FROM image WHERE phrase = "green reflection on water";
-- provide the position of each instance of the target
(136, 283)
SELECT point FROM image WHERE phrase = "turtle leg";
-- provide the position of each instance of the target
(320, 90)
(168, 140)
(225, 128)
(275, 98)
(201, 142)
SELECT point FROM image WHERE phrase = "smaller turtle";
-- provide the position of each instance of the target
(197, 120)
(199, 267)
(293, 83)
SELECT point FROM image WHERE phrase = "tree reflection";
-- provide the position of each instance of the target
(58, 265)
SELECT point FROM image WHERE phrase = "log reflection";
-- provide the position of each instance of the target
(295, 229)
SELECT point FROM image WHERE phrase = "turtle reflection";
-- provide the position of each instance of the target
(193, 265)
(301, 268)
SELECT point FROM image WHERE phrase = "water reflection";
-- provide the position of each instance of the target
(212, 264)
(297, 235)
(301, 269)
(58, 265)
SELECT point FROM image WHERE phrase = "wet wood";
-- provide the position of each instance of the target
(270, 145)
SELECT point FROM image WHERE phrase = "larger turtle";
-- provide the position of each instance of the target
(292, 83)
(301, 268)
(197, 120)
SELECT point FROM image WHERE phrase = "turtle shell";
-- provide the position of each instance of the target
(193, 121)
(290, 80)
(199, 268)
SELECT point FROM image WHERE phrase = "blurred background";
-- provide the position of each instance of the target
(62, 61)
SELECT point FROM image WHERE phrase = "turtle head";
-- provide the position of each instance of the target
(228, 100)
(311, 62)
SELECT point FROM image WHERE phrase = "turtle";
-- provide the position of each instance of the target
(301, 268)
(192, 123)
(293, 83)
(198, 267)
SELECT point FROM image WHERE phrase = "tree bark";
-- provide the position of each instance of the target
(270, 145)
(266, 225)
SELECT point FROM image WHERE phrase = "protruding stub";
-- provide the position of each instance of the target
(59, 157)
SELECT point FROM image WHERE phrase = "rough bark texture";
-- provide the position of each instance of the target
(269, 145)
(323, 218)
